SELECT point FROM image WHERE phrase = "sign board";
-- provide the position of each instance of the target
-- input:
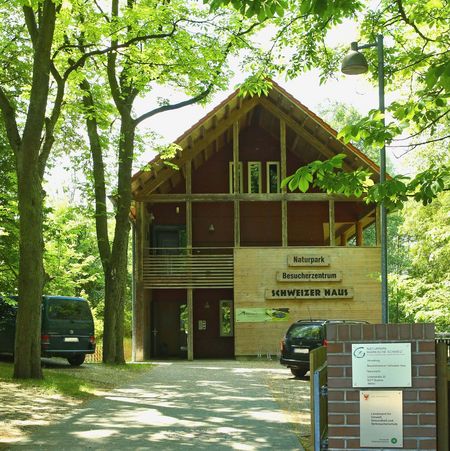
(261, 315)
(310, 293)
(381, 419)
(309, 276)
(308, 260)
(381, 365)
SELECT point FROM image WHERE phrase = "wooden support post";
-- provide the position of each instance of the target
(331, 214)
(188, 170)
(190, 324)
(344, 239)
(139, 318)
(190, 295)
(359, 234)
(236, 185)
(284, 206)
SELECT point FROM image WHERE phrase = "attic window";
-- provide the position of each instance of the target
(273, 176)
(254, 176)
(231, 177)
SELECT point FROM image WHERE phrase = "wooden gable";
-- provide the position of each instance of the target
(307, 136)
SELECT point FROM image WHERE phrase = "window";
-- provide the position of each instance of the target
(273, 177)
(226, 318)
(254, 177)
(67, 309)
(231, 178)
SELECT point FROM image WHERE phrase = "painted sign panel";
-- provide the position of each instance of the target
(381, 365)
(309, 293)
(309, 276)
(381, 419)
(308, 260)
(261, 315)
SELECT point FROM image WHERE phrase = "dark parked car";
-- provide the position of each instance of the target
(301, 338)
(67, 328)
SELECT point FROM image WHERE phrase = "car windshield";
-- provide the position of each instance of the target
(68, 309)
(310, 331)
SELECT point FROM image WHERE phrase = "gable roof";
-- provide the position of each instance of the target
(213, 131)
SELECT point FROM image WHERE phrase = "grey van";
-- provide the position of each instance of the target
(67, 328)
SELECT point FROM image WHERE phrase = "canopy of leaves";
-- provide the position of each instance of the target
(421, 292)
(9, 231)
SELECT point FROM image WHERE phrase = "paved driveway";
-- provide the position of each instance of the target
(198, 405)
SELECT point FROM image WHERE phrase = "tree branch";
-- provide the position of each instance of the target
(116, 46)
(423, 129)
(50, 122)
(40, 81)
(413, 146)
(411, 23)
(9, 117)
(30, 21)
(101, 217)
(174, 106)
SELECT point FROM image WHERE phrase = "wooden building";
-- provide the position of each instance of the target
(224, 259)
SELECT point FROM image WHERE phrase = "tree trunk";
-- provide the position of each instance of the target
(30, 170)
(27, 352)
(116, 276)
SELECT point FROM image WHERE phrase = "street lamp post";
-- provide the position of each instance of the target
(354, 63)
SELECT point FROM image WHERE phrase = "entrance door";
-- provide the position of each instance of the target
(213, 324)
(169, 323)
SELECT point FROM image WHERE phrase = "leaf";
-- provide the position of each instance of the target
(303, 185)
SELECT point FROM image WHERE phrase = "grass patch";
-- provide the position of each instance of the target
(80, 382)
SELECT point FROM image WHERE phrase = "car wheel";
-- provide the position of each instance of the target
(76, 360)
(298, 372)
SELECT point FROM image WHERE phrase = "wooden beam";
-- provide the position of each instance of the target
(188, 168)
(236, 185)
(284, 210)
(190, 324)
(138, 345)
(332, 231)
(244, 197)
(359, 234)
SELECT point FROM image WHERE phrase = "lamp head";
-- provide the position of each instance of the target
(354, 63)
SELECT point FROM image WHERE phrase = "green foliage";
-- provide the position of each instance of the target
(255, 85)
(394, 192)
(371, 130)
(72, 265)
(9, 227)
(262, 9)
(328, 176)
(412, 300)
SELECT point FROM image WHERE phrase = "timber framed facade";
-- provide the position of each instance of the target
(225, 259)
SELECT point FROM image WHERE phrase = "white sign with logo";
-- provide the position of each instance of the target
(381, 365)
(381, 419)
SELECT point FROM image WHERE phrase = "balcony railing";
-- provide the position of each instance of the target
(199, 267)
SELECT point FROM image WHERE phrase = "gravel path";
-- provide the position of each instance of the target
(197, 405)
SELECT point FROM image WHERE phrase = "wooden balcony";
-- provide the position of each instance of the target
(199, 267)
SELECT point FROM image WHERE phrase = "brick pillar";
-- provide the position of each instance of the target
(419, 401)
